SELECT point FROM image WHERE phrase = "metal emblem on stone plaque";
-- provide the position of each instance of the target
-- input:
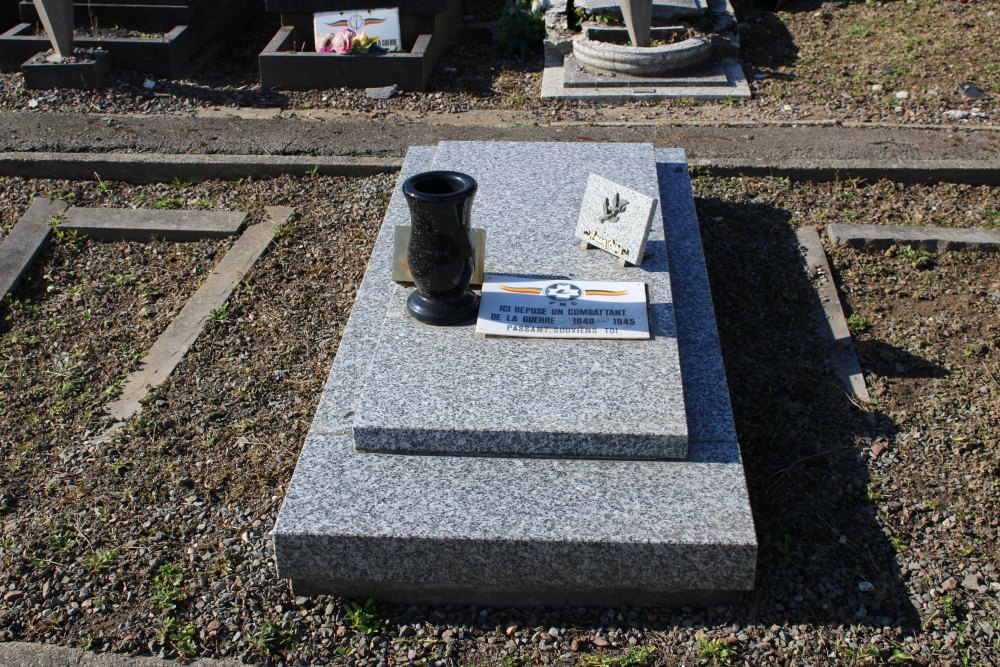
(615, 219)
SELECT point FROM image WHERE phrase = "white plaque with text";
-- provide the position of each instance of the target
(560, 308)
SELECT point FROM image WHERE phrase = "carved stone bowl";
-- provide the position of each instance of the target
(591, 50)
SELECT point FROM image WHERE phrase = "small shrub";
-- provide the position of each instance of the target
(521, 30)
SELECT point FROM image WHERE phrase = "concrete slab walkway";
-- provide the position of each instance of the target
(297, 141)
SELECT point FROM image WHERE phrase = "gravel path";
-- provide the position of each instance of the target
(878, 523)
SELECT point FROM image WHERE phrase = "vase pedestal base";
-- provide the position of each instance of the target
(443, 312)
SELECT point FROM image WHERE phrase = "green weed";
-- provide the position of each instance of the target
(872, 494)
(103, 187)
(993, 216)
(721, 652)
(917, 257)
(274, 639)
(115, 388)
(168, 583)
(180, 634)
(220, 315)
(168, 203)
(363, 618)
(70, 236)
(100, 559)
(857, 323)
(124, 278)
(791, 555)
(635, 656)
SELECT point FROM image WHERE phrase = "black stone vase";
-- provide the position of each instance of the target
(441, 253)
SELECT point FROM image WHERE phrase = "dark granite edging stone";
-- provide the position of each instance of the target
(25, 241)
(935, 239)
(161, 56)
(85, 74)
(525, 531)
(115, 224)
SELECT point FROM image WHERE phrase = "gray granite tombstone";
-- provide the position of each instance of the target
(489, 479)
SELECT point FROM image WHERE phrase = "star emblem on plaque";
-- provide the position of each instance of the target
(564, 291)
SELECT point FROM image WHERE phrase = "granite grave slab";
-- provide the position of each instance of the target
(517, 530)
(584, 398)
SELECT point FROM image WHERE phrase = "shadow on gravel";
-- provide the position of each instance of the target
(890, 361)
(824, 558)
(766, 42)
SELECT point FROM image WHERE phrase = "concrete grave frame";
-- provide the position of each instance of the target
(166, 56)
(188, 27)
(31, 233)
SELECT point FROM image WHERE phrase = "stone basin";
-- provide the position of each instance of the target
(606, 55)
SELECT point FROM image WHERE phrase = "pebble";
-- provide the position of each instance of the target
(902, 95)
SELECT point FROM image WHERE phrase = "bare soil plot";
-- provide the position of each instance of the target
(157, 543)
(855, 59)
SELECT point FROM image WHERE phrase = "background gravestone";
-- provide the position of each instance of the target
(166, 35)
(57, 18)
(290, 60)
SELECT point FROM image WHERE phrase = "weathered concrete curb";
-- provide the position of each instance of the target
(972, 172)
(25, 241)
(830, 321)
(25, 654)
(170, 348)
(935, 239)
(126, 224)
(162, 168)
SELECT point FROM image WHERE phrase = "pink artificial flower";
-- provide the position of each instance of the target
(343, 41)
(326, 44)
